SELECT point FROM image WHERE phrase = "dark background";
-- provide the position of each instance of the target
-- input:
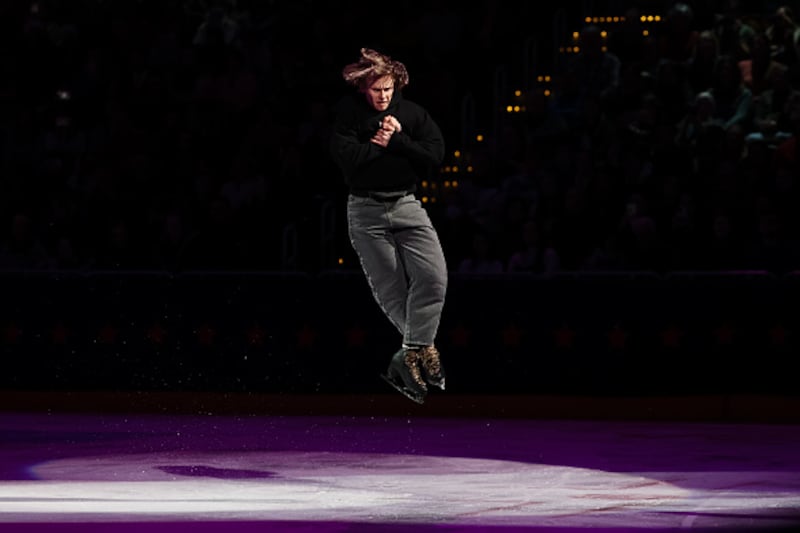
(170, 218)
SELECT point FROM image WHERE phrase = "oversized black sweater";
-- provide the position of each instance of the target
(412, 154)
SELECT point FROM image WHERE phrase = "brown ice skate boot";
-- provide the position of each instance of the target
(405, 375)
(432, 366)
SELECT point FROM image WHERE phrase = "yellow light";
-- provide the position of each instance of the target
(576, 35)
(539, 79)
(616, 19)
(424, 199)
(457, 153)
(446, 184)
(455, 183)
(516, 109)
(547, 79)
(455, 170)
(657, 18)
(547, 92)
(509, 109)
(576, 49)
(602, 19)
(424, 184)
(517, 93)
(604, 34)
(604, 48)
(595, 20)
(643, 18)
(479, 138)
(645, 33)
(341, 261)
(649, 18)
(587, 20)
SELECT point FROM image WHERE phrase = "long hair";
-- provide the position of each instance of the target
(373, 65)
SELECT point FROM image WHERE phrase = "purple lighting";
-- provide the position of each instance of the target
(336, 473)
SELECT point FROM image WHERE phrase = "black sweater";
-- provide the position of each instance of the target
(410, 156)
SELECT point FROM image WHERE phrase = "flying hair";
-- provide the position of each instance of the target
(373, 65)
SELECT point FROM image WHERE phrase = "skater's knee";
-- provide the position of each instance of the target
(435, 287)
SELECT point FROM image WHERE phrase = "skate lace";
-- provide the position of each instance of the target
(411, 358)
(431, 360)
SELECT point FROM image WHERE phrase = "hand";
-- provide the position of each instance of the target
(382, 137)
(388, 126)
(389, 122)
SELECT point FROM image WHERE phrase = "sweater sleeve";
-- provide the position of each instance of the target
(347, 148)
(425, 144)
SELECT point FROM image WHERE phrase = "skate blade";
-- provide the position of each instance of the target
(411, 395)
(438, 384)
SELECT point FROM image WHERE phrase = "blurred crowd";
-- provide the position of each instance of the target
(662, 147)
(192, 134)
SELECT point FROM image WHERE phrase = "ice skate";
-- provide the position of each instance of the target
(404, 374)
(432, 367)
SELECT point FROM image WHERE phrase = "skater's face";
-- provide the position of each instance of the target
(379, 92)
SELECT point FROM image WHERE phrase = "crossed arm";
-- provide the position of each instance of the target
(388, 126)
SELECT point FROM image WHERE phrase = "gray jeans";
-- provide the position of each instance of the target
(402, 257)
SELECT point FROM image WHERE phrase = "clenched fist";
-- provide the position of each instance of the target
(388, 126)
